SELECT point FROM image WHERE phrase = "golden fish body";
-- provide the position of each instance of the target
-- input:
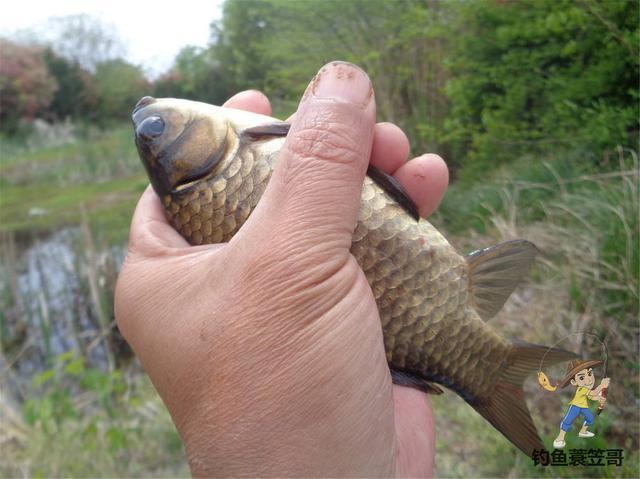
(210, 166)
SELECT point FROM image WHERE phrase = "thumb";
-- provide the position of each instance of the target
(314, 192)
(150, 233)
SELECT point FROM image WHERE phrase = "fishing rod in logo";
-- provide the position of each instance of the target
(544, 380)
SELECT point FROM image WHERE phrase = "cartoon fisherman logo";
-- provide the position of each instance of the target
(579, 374)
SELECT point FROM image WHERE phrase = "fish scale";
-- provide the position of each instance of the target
(416, 276)
(433, 303)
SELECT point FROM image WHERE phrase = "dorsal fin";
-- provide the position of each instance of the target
(495, 272)
(394, 189)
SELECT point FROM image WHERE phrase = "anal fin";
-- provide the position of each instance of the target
(403, 378)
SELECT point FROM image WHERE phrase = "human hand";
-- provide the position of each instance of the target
(268, 350)
(605, 383)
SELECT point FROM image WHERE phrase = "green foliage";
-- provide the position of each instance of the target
(277, 46)
(119, 86)
(240, 41)
(111, 424)
(533, 76)
(26, 86)
(75, 96)
(42, 187)
(480, 82)
(196, 74)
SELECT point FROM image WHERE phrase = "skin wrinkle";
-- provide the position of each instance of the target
(234, 380)
(330, 120)
(289, 431)
(327, 140)
(325, 333)
(274, 375)
(317, 210)
(281, 259)
(309, 226)
(274, 433)
(290, 292)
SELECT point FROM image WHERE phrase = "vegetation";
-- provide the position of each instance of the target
(84, 422)
(533, 103)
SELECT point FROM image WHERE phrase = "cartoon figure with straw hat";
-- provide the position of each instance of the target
(580, 374)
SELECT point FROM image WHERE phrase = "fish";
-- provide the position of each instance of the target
(544, 382)
(209, 166)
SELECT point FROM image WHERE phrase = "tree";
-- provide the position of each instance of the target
(76, 95)
(278, 45)
(119, 85)
(26, 87)
(541, 75)
(195, 75)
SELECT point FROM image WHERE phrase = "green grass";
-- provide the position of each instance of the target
(84, 422)
(43, 188)
(529, 181)
(569, 197)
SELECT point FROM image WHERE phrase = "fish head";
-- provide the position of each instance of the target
(183, 142)
(179, 142)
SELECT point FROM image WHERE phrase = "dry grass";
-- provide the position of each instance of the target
(586, 280)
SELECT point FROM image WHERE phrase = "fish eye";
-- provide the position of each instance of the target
(151, 128)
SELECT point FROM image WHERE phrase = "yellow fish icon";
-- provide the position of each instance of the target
(544, 382)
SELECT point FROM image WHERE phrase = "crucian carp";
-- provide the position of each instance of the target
(210, 165)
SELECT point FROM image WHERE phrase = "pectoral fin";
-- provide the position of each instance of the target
(259, 132)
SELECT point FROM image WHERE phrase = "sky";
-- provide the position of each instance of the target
(152, 30)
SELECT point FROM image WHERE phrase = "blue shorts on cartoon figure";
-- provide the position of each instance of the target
(573, 412)
(580, 374)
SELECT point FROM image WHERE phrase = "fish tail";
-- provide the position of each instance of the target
(505, 407)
